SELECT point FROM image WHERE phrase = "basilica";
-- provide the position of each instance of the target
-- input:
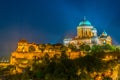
(87, 34)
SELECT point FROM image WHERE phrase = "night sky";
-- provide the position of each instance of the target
(49, 21)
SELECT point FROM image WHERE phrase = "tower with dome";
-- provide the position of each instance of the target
(87, 34)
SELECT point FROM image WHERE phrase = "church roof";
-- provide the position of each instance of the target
(85, 22)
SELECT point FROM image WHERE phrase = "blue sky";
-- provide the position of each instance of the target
(48, 21)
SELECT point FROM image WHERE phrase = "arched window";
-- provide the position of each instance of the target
(31, 49)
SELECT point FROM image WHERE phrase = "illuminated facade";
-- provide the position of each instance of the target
(26, 52)
(23, 56)
(87, 34)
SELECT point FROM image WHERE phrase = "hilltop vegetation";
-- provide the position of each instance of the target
(98, 63)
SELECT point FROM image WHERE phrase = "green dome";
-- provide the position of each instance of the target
(85, 23)
(104, 33)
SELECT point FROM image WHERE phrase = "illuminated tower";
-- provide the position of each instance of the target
(84, 29)
(94, 32)
(94, 39)
(105, 38)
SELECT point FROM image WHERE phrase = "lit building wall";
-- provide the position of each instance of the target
(84, 32)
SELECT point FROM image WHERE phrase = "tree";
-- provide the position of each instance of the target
(97, 51)
(107, 47)
(42, 47)
(45, 59)
(117, 53)
(38, 70)
(63, 48)
(111, 64)
(63, 55)
(107, 78)
(72, 47)
(90, 64)
(84, 47)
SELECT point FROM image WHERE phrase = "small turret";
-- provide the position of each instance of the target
(104, 33)
(94, 32)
